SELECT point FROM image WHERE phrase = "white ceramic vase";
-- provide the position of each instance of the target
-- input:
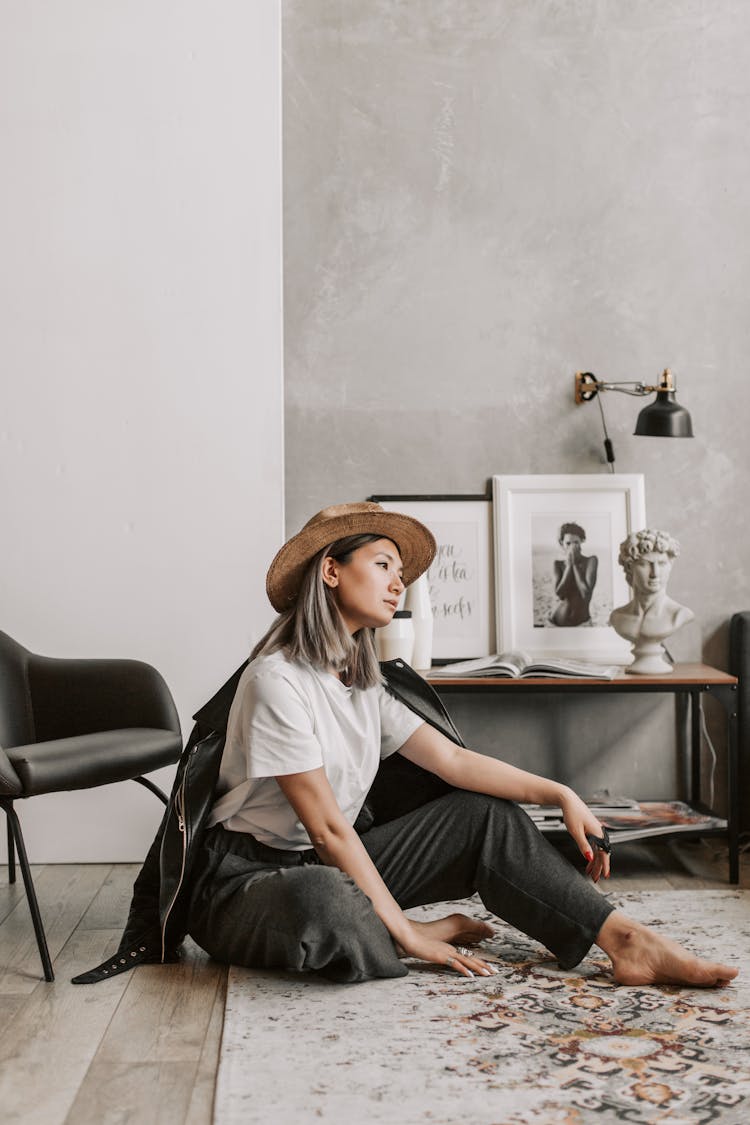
(417, 599)
(395, 641)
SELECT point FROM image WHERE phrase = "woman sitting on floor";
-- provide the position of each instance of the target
(285, 880)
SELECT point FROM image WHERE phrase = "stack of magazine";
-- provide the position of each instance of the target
(628, 819)
(518, 665)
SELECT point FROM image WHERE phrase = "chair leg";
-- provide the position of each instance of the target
(36, 917)
(144, 781)
(11, 852)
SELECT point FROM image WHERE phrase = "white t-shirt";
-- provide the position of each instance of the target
(288, 717)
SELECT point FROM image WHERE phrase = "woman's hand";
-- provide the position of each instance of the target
(579, 820)
(426, 940)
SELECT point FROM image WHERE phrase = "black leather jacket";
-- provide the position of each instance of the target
(157, 921)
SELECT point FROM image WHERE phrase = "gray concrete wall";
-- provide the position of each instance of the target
(483, 197)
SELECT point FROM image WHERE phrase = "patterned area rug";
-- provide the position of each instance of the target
(533, 1044)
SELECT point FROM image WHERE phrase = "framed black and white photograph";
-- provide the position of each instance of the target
(461, 580)
(557, 578)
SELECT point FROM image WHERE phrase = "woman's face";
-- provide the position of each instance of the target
(571, 543)
(368, 587)
(650, 572)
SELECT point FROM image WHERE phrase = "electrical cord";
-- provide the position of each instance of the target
(608, 447)
(712, 751)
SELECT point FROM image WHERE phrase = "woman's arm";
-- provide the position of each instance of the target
(583, 577)
(561, 571)
(338, 845)
(589, 581)
(465, 769)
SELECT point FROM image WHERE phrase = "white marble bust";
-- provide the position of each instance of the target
(650, 616)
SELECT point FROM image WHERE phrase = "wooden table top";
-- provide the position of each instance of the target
(683, 674)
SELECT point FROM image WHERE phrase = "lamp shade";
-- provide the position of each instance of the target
(664, 418)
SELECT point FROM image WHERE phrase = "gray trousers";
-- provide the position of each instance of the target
(266, 908)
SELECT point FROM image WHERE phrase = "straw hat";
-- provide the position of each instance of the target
(415, 543)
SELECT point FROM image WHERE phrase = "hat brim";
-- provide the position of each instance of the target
(415, 542)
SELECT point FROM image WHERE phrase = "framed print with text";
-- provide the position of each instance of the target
(461, 577)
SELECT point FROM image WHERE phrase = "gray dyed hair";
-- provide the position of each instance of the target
(313, 630)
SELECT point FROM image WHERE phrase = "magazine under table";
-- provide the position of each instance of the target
(691, 680)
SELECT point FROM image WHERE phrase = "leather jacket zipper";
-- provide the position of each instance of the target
(179, 803)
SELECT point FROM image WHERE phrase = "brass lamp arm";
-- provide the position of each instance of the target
(587, 386)
(638, 388)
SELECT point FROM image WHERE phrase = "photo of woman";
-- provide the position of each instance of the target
(575, 578)
(572, 573)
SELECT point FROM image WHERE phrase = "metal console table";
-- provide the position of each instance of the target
(692, 680)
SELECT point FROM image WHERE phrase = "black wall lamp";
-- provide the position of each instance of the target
(664, 417)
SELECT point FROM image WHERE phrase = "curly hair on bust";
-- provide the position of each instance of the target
(647, 542)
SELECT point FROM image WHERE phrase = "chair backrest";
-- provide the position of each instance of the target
(44, 698)
(16, 712)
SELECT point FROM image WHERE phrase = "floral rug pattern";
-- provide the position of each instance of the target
(532, 1044)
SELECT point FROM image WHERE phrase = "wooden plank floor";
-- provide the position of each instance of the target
(144, 1047)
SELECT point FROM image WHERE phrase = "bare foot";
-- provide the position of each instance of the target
(641, 956)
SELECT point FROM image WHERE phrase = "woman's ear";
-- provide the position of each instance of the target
(330, 572)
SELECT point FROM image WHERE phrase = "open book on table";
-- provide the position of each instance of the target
(628, 819)
(517, 665)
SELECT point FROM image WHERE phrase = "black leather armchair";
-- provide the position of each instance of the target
(75, 724)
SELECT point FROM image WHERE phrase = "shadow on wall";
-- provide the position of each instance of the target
(716, 647)
(625, 745)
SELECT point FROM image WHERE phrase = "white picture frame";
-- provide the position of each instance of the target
(529, 512)
(461, 579)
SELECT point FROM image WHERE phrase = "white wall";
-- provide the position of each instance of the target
(140, 353)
